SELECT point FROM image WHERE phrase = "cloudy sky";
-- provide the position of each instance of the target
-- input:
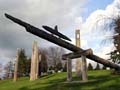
(69, 15)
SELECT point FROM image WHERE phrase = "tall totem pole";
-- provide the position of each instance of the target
(78, 61)
(34, 62)
(81, 64)
(16, 65)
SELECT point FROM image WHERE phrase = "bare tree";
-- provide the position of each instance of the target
(55, 57)
(9, 69)
(43, 64)
(112, 25)
(1, 68)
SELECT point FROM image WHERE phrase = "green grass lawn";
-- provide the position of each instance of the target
(98, 80)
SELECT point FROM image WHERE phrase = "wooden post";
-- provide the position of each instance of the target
(16, 66)
(69, 70)
(81, 65)
(34, 62)
(78, 61)
(32, 66)
(36, 59)
(84, 68)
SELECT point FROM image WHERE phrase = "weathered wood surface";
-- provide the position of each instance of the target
(77, 54)
(34, 62)
(16, 65)
(40, 33)
(84, 68)
(78, 61)
(69, 70)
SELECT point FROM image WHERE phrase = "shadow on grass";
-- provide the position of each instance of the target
(94, 83)
(48, 76)
(97, 83)
(49, 85)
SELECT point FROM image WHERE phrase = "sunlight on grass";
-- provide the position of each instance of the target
(98, 80)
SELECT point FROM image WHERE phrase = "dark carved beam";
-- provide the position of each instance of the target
(77, 54)
(42, 34)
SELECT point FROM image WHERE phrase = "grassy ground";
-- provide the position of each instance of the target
(98, 80)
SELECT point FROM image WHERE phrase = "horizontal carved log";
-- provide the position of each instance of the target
(40, 33)
(77, 54)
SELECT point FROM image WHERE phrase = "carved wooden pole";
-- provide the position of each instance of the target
(69, 70)
(84, 68)
(78, 61)
(32, 65)
(34, 62)
(37, 60)
(81, 65)
(16, 66)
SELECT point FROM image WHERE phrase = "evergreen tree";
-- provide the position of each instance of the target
(97, 67)
(115, 56)
(28, 66)
(23, 63)
(65, 67)
(59, 66)
(114, 27)
(44, 65)
(90, 67)
(104, 67)
(50, 68)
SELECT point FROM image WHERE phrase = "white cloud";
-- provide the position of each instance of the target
(92, 29)
(78, 22)
(105, 50)
(96, 19)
